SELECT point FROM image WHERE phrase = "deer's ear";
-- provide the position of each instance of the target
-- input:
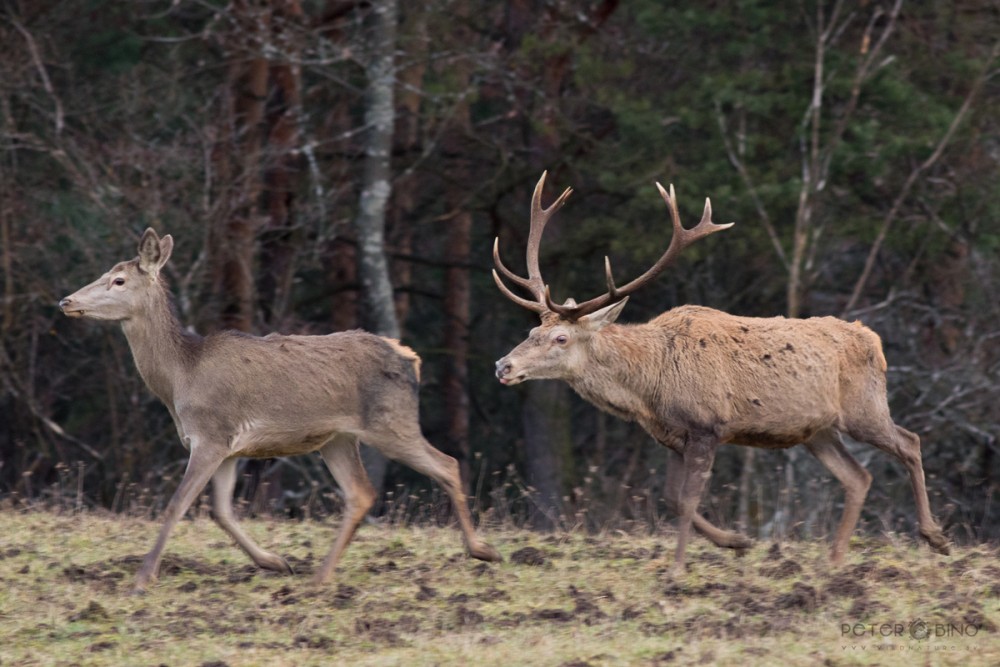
(166, 247)
(603, 317)
(154, 251)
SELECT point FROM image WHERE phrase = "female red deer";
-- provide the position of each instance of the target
(232, 395)
(696, 378)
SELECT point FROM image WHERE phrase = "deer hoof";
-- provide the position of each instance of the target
(275, 564)
(141, 586)
(485, 552)
(738, 542)
(938, 542)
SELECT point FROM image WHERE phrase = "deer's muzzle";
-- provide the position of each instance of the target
(504, 370)
(66, 305)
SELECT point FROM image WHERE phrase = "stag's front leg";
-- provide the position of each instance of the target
(726, 539)
(205, 460)
(223, 484)
(698, 456)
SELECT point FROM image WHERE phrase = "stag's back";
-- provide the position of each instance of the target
(767, 381)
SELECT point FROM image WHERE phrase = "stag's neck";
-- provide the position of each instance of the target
(616, 377)
(161, 348)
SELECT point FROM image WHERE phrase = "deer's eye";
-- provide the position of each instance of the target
(561, 339)
(118, 281)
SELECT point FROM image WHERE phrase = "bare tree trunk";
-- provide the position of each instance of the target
(378, 306)
(456, 340)
(280, 240)
(546, 413)
(6, 262)
(238, 167)
(406, 189)
(457, 290)
(547, 443)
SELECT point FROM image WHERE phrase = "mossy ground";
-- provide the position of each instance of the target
(409, 596)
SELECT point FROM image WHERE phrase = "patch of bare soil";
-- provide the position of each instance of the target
(385, 630)
(783, 570)
(802, 597)
(528, 556)
(94, 611)
(865, 608)
(466, 618)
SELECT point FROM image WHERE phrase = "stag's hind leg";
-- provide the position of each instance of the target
(905, 446)
(413, 450)
(223, 483)
(721, 538)
(827, 447)
(342, 457)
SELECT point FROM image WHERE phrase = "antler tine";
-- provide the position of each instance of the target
(534, 282)
(680, 240)
(685, 237)
(539, 218)
(510, 275)
(535, 306)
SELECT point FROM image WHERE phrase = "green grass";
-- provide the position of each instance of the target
(409, 596)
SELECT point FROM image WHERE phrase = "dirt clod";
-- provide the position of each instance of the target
(527, 556)
(426, 593)
(557, 615)
(92, 612)
(783, 570)
(466, 617)
(845, 585)
(802, 596)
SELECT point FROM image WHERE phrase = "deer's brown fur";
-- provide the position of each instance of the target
(696, 378)
(233, 395)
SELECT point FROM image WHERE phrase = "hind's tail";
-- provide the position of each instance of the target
(407, 353)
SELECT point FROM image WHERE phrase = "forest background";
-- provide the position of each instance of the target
(329, 164)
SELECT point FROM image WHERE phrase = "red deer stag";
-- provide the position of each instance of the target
(696, 378)
(233, 395)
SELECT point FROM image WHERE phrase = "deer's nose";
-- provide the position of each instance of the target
(503, 368)
(65, 302)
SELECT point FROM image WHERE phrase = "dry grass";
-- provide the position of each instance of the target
(409, 596)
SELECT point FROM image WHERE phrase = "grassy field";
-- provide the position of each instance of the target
(409, 596)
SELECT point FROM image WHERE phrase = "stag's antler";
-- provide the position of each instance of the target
(543, 303)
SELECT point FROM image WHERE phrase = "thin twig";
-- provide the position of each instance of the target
(915, 175)
(40, 66)
(751, 187)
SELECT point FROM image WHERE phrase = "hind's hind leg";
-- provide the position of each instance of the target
(410, 448)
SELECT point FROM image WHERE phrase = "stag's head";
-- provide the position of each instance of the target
(559, 347)
(127, 288)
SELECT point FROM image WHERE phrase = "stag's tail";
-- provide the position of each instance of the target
(877, 356)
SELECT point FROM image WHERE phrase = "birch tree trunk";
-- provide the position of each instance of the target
(378, 313)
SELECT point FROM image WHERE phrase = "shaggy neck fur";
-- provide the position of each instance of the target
(615, 378)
